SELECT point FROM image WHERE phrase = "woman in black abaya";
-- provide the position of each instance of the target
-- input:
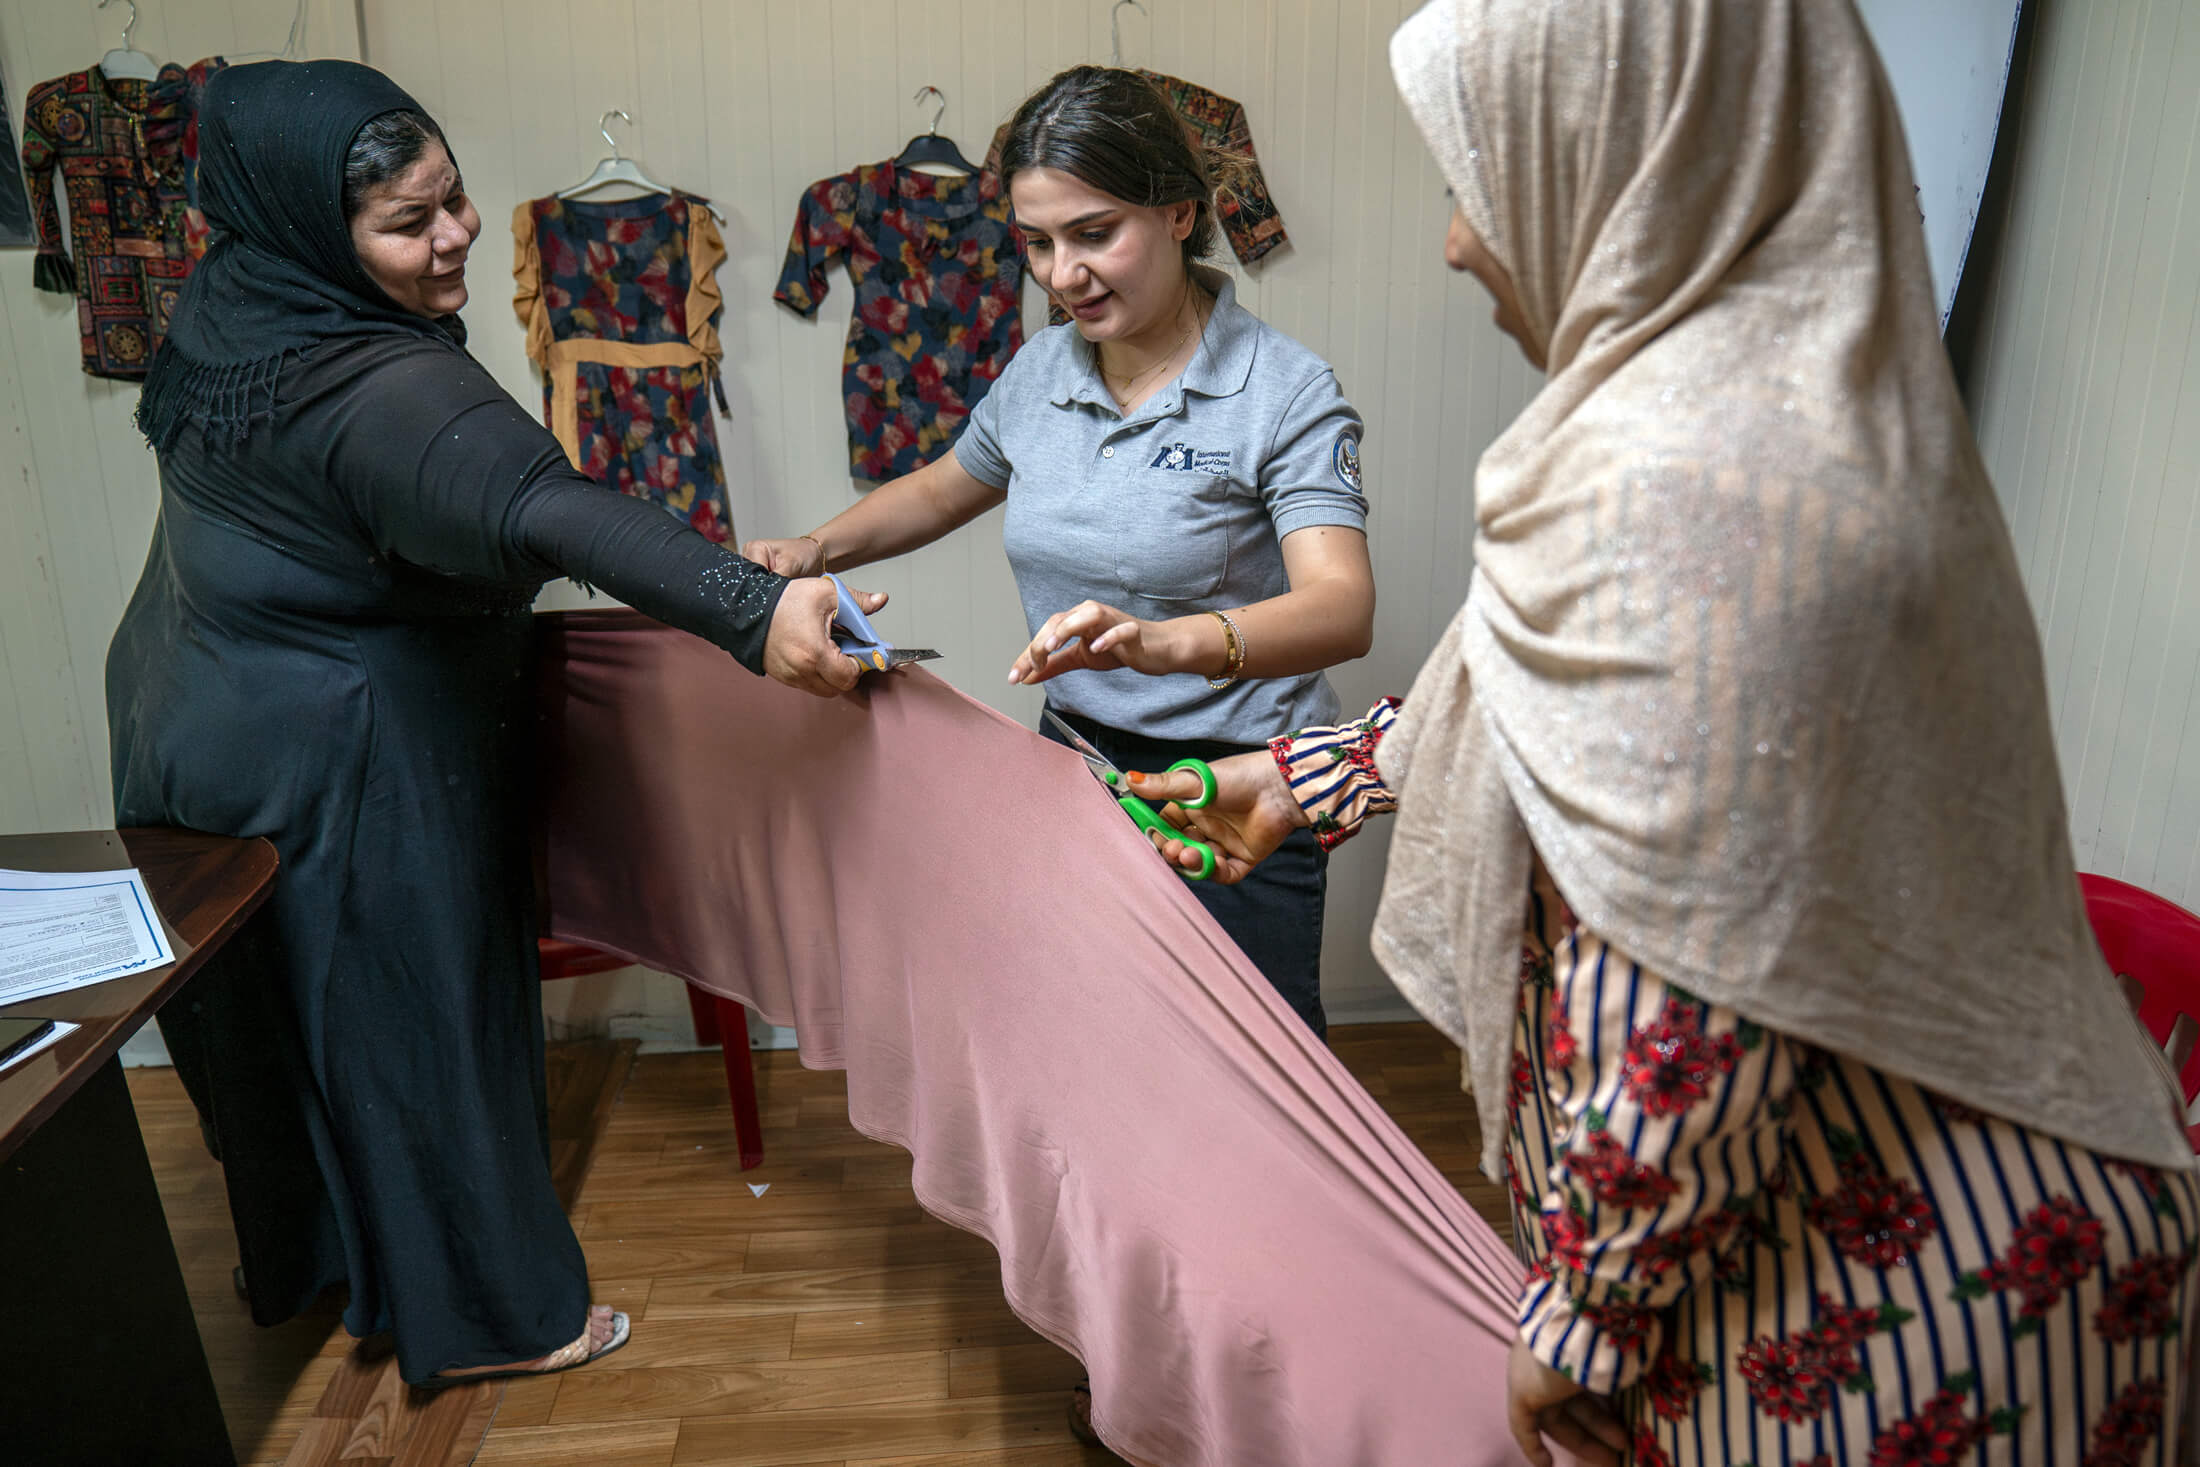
(328, 647)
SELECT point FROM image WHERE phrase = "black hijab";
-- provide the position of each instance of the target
(282, 276)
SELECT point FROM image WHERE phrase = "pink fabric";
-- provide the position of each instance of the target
(1186, 1188)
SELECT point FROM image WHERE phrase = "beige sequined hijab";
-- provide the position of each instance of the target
(1746, 656)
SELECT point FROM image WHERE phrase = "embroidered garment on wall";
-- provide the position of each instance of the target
(1247, 212)
(621, 305)
(122, 149)
(938, 277)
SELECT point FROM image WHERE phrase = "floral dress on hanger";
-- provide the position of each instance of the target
(621, 305)
(938, 276)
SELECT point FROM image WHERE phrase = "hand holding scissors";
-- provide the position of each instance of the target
(1244, 811)
(1197, 866)
(858, 639)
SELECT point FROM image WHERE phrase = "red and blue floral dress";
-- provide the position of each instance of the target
(1769, 1254)
(938, 313)
(621, 305)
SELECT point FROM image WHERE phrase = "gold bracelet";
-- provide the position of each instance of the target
(823, 565)
(1233, 642)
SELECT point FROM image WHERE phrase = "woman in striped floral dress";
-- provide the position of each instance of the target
(1829, 1137)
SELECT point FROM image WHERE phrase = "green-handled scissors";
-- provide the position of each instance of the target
(1139, 810)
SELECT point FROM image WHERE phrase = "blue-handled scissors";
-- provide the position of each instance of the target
(854, 635)
(1138, 809)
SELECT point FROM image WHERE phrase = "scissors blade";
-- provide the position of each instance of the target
(1097, 762)
(903, 656)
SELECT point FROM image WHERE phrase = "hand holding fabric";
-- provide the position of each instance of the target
(1093, 635)
(799, 650)
(1252, 811)
(800, 556)
(1540, 1402)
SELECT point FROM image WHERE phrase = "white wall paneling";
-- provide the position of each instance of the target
(2087, 385)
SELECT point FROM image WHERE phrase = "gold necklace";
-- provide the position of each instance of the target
(1130, 384)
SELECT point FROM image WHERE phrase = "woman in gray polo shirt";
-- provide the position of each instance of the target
(1185, 518)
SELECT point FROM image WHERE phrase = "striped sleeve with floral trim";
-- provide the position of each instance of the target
(1331, 772)
(1669, 1127)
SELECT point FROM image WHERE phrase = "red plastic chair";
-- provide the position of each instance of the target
(718, 1021)
(2153, 943)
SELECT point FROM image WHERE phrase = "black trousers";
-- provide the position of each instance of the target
(1275, 914)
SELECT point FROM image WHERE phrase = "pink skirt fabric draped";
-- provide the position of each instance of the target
(1185, 1188)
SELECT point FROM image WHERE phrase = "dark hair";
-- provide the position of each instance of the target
(1113, 130)
(382, 150)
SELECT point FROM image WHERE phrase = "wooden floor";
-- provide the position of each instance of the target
(830, 1321)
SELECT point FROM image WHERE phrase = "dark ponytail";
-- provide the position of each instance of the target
(385, 149)
(1113, 130)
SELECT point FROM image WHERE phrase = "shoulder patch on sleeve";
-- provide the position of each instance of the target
(1347, 461)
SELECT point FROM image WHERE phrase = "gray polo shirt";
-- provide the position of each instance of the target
(1179, 508)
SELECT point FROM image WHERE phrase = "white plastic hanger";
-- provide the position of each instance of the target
(126, 62)
(1115, 29)
(618, 168)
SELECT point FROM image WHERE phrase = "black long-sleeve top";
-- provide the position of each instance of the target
(403, 462)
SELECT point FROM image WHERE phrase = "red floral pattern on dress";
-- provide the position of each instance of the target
(1626, 1326)
(2141, 1300)
(1664, 1250)
(1941, 1435)
(2058, 1244)
(2131, 1421)
(621, 272)
(1873, 1218)
(1839, 1329)
(1523, 1082)
(1615, 1178)
(1786, 1378)
(1794, 1379)
(1672, 1385)
(938, 276)
(1671, 1062)
(1566, 1237)
(1561, 1047)
(1647, 1451)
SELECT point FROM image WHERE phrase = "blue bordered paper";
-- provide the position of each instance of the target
(61, 930)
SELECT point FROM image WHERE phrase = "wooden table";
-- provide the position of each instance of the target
(103, 1362)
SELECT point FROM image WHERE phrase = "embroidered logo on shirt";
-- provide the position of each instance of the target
(1348, 462)
(1191, 460)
